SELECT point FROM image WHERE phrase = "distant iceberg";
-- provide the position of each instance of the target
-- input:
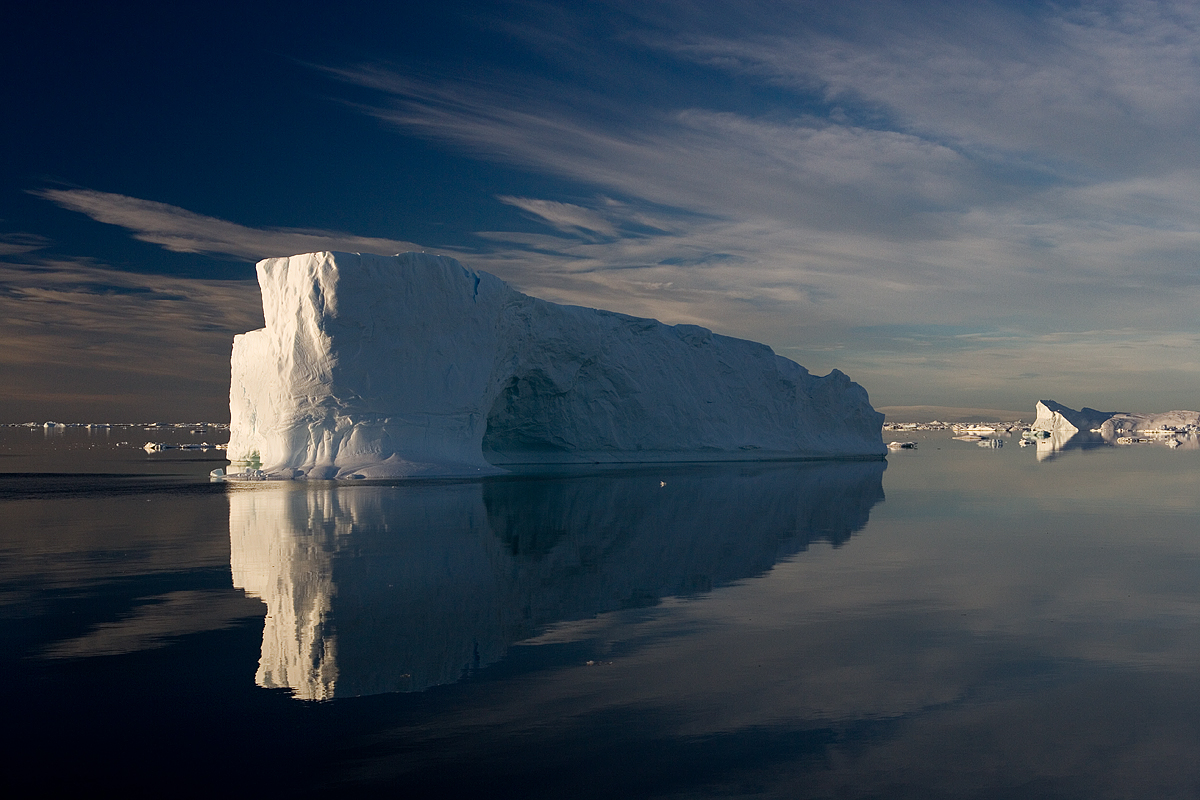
(1052, 416)
(412, 365)
(1070, 429)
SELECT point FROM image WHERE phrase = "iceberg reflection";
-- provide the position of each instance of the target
(376, 588)
(1059, 441)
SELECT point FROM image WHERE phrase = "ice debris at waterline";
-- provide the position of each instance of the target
(158, 447)
(413, 365)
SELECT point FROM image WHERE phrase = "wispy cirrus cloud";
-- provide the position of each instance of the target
(183, 231)
(885, 163)
(703, 161)
(1092, 86)
(876, 164)
(566, 217)
(858, 213)
(12, 244)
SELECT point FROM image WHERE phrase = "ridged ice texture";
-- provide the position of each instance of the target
(371, 366)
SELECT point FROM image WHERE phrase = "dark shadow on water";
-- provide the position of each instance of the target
(374, 588)
(62, 485)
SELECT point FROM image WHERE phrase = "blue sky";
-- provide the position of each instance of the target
(971, 205)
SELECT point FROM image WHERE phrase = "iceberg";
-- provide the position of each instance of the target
(413, 365)
(1069, 429)
(1055, 417)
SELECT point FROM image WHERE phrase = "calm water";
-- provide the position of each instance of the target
(957, 622)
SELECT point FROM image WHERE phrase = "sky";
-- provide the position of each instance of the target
(958, 205)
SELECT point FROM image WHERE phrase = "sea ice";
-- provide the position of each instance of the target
(372, 367)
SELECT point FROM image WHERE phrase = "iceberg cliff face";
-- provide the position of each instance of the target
(414, 365)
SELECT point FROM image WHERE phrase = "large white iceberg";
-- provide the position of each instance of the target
(374, 367)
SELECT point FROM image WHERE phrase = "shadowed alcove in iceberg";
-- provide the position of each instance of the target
(381, 588)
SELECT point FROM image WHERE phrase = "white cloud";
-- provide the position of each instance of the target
(183, 231)
(566, 217)
(12, 244)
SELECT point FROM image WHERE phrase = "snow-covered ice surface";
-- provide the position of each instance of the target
(413, 365)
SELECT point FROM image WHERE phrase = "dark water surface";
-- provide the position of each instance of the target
(996, 627)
